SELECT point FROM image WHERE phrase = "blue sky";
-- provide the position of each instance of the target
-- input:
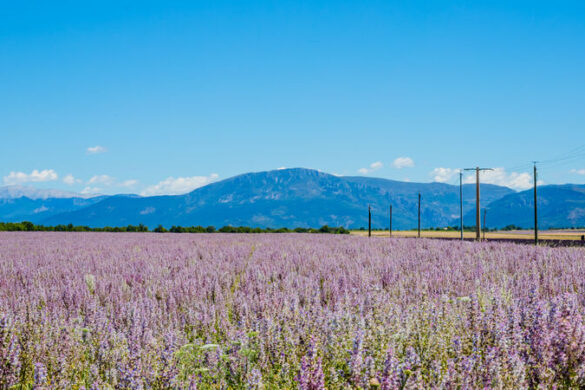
(159, 97)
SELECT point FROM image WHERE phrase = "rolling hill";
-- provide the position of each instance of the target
(299, 198)
(25, 203)
(287, 198)
(559, 206)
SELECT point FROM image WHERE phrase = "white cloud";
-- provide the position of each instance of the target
(179, 185)
(70, 180)
(129, 183)
(280, 169)
(96, 149)
(373, 167)
(377, 165)
(499, 176)
(578, 171)
(102, 179)
(108, 181)
(443, 175)
(35, 176)
(403, 162)
(91, 190)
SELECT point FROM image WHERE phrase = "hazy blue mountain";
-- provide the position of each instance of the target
(288, 197)
(16, 191)
(37, 210)
(299, 197)
(26, 203)
(558, 206)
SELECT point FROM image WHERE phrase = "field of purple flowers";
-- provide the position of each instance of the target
(101, 310)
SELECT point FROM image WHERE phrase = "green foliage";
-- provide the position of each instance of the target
(90, 283)
(511, 227)
(29, 227)
(160, 229)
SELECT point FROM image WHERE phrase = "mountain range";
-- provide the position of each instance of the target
(300, 197)
(16, 191)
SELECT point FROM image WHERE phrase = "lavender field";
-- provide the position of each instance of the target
(162, 311)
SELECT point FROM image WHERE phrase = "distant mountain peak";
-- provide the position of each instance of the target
(291, 197)
(296, 197)
(16, 191)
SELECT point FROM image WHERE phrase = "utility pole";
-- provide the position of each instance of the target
(477, 203)
(369, 221)
(535, 208)
(419, 215)
(461, 202)
(390, 230)
(477, 216)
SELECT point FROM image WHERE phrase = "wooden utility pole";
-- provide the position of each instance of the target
(390, 229)
(419, 215)
(477, 203)
(477, 216)
(461, 202)
(369, 221)
(535, 208)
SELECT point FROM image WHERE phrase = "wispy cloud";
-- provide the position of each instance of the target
(179, 185)
(499, 176)
(35, 176)
(372, 168)
(403, 162)
(91, 190)
(96, 149)
(128, 183)
(578, 171)
(70, 180)
(98, 182)
(102, 179)
(443, 175)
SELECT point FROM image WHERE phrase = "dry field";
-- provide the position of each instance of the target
(514, 235)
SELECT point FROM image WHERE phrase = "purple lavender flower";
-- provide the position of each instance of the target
(282, 311)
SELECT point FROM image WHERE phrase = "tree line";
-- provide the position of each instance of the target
(27, 226)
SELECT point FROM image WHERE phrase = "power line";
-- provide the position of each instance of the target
(569, 157)
(573, 153)
(559, 160)
(519, 167)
